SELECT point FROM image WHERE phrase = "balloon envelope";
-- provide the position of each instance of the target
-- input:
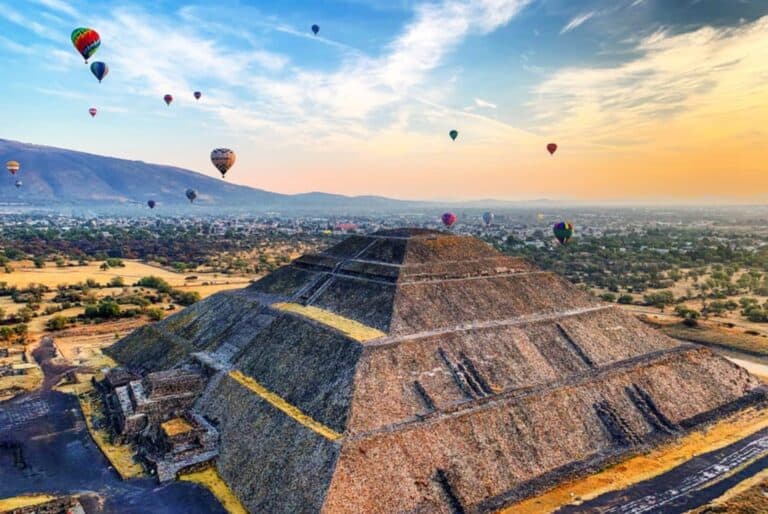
(168, 99)
(488, 218)
(551, 148)
(454, 134)
(448, 219)
(12, 167)
(92, 111)
(151, 204)
(18, 184)
(197, 95)
(223, 159)
(315, 29)
(563, 231)
(86, 41)
(191, 195)
(99, 69)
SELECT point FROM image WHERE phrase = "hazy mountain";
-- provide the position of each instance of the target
(54, 176)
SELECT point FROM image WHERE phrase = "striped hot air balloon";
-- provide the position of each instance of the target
(223, 159)
(86, 41)
(12, 167)
(563, 231)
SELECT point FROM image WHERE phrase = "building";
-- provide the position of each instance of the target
(416, 371)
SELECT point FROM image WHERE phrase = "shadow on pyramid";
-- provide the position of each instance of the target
(417, 371)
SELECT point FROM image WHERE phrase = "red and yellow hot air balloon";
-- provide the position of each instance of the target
(12, 167)
(223, 159)
(86, 41)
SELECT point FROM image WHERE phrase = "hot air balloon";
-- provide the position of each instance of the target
(448, 219)
(551, 148)
(151, 204)
(92, 111)
(197, 95)
(563, 231)
(168, 99)
(315, 29)
(454, 134)
(12, 167)
(18, 184)
(223, 159)
(488, 218)
(86, 41)
(99, 69)
(191, 195)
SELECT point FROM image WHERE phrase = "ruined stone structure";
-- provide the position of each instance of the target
(133, 405)
(416, 371)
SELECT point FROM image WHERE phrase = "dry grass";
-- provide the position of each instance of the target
(642, 467)
(13, 385)
(350, 328)
(176, 426)
(120, 456)
(211, 480)
(17, 502)
(709, 334)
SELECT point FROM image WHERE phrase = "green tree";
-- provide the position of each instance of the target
(39, 262)
(56, 323)
(155, 314)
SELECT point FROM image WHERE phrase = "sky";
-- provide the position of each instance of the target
(648, 100)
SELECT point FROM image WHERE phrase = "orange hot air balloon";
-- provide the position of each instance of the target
(12, 167)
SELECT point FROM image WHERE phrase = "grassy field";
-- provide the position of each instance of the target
(643, 467)
(712, 334)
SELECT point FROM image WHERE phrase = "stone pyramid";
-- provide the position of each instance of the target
(418, 371)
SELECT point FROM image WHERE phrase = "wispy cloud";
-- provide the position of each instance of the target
(689, 73)
(484, 104)
(578, 21)
(59, 6)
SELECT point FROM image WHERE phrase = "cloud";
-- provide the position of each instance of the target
(691, 74)
(484, 104)
(577, 21)
(59, 6)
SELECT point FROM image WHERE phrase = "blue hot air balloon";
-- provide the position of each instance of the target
(99, 69)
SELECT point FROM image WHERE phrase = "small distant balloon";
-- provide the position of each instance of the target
(563, 231)
(168, 99)
(223, 159)
(86, 41)
(92, 111)
(551, 148)
(454, 134)
(197, 95)
(18, 184)
(99, 69)
(12, 167)
(191, 195)
(448, 219)
(151, 204)
(488, 218)
(315, 29)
